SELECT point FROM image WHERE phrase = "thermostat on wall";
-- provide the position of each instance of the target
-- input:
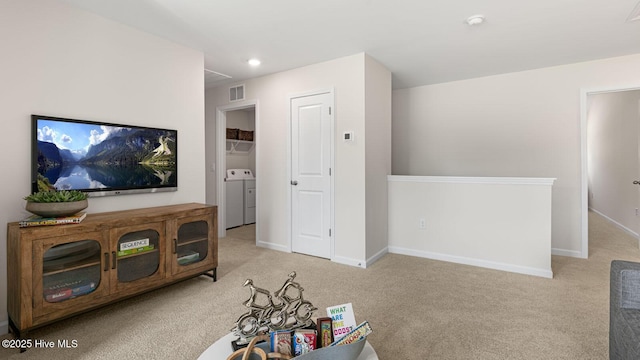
(347, 136)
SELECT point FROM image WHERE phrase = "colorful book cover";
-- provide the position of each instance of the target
(304, 341)
(134, 244)
(35, 220)
(325, 332)
(281, 342)
(342, 319)
(136, 250)
(358, 333)
(58, 295)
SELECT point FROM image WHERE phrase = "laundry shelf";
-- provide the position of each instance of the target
(239, 146)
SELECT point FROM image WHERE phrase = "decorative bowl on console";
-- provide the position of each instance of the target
(56, 203)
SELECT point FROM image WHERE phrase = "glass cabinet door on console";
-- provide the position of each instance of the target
(190, 243)
(69, 271)
(137, 256)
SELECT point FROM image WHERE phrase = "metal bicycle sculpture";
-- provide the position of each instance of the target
(287, 312)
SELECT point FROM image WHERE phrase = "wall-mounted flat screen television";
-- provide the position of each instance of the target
(102, 158)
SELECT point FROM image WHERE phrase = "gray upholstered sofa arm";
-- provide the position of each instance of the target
(624, 311)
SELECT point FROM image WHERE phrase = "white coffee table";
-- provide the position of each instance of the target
(222, 348)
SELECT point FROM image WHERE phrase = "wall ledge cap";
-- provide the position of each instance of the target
(472, 180)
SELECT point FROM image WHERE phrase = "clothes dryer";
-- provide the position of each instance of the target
(249, 201)
(235, 198)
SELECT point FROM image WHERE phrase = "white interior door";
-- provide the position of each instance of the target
(311, 141)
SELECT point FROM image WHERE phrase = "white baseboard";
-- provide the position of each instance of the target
(4, 327)
(622, 227)
(349, 261)
(377, 256)
(546, 273)
(565, 252)
(337, 259)
(272, 246)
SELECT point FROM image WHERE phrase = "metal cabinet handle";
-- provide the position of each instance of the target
(294, 182)
(106, 261)
(175, 246)
(113, 258)
(636, 182)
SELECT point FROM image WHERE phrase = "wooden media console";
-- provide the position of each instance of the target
(58, 271)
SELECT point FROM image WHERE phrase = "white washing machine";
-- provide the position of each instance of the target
(236, 204)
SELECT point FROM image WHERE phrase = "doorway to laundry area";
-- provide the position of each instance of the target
(236, 175)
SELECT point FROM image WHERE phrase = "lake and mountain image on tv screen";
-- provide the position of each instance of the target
(96, 157)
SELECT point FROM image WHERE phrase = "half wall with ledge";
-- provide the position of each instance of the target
(501, 223)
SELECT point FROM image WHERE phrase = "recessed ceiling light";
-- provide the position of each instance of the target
(475, 20)
(254, 62)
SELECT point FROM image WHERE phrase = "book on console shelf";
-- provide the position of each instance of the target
(68, 289)
(36, 220)
(136, 250)
(188, 257)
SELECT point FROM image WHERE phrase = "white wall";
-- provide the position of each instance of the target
(497, 223)
(61, 61)
(347, 77)
(612, 131)
(378, 155)
(524, 124)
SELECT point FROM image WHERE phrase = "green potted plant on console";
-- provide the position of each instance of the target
(56, 203)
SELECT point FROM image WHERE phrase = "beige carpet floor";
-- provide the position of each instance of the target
(418, 308)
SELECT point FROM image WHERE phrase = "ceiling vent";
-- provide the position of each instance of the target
(635, 14)
(236, 93)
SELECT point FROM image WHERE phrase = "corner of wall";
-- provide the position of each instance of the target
(377, 155)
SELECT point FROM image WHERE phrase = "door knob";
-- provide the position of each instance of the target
(294, 182)
(636, 182)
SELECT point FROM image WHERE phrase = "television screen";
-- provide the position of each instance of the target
(102, 158)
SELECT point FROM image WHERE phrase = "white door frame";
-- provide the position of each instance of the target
(332, 146)
(584, 191)
(221, 160)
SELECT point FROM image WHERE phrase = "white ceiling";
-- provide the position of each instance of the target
(420, 41)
